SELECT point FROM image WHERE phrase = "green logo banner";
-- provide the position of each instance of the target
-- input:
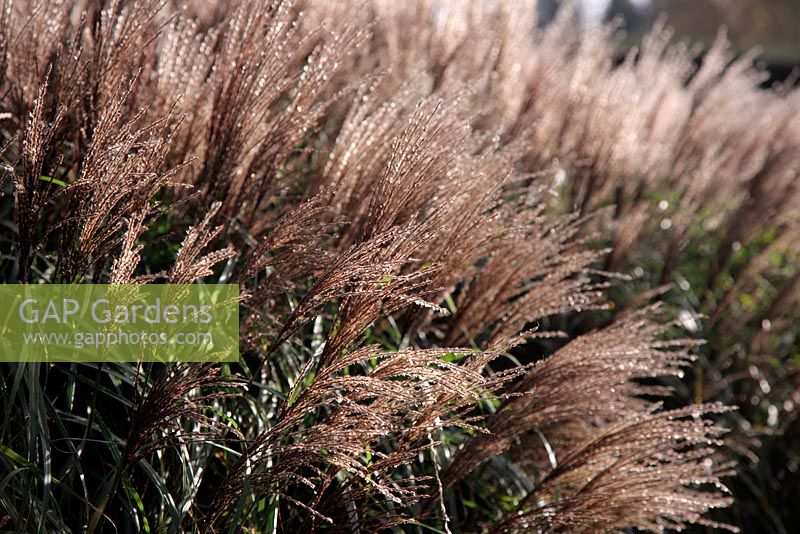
(131, 323)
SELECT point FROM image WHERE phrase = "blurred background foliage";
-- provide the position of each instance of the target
(771, 25)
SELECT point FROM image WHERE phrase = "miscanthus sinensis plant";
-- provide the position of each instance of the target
(425, 205)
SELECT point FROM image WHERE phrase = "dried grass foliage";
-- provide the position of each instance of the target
(367, 167)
